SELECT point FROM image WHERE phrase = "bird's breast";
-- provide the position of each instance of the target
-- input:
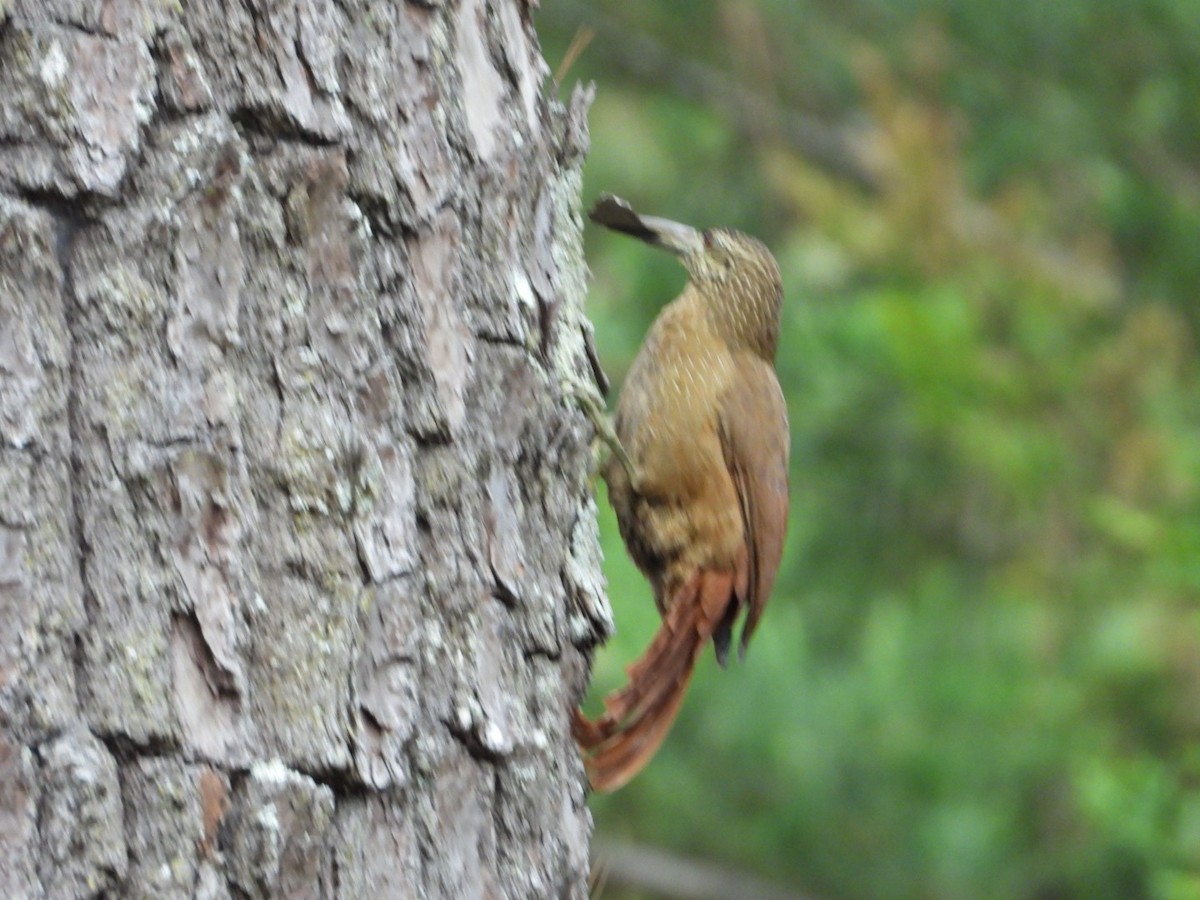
(667, 414)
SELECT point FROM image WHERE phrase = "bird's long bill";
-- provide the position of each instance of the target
(613, 212)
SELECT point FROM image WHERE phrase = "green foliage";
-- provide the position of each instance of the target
(980, 674)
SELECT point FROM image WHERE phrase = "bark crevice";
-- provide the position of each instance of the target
(296, 558)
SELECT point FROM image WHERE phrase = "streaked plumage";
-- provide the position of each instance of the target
(703, 420)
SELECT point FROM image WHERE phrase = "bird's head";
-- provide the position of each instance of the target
(735, 274)
(719, 255)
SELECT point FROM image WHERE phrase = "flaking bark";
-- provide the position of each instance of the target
(297, 548)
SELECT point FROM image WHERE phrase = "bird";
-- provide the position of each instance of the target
(697, 476)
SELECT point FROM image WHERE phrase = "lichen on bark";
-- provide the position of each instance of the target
(297, 549)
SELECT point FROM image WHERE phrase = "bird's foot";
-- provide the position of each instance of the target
(591, 403)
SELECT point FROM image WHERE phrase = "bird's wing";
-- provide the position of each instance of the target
(756, 442)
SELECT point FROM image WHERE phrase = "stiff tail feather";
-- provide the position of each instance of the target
(637, 718)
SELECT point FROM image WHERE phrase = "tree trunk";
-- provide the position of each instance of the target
(296, 540)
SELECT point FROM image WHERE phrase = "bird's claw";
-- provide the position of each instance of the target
(592, 404)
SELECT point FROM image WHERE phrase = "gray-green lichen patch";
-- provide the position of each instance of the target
(33, 331)
(308, 467)
(166, 824)
(277, 834)
(81, 824)
(40, 601)
(300, 669)
(124, 648)
(18, 819)
(84, 97)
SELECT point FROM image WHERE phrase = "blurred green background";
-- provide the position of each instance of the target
(979, 676)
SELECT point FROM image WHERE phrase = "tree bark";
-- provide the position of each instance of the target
(297, 546)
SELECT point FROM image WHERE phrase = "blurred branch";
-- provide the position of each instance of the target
(677, 878)
(752, 114)
(578, 44)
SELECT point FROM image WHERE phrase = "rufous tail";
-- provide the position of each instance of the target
(637, 718)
